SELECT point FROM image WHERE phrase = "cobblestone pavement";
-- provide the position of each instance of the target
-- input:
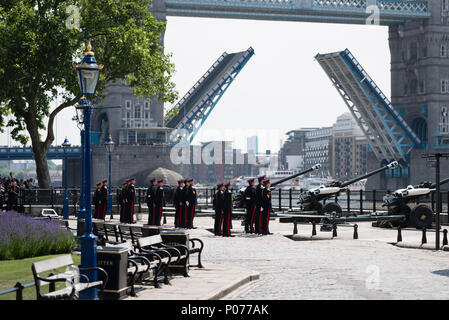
(342, 268)
(368, 268)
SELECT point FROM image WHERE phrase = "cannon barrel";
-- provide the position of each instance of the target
(441, 183)
(391, 165)
(315, 167)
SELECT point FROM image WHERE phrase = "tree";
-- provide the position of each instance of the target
(41, 39)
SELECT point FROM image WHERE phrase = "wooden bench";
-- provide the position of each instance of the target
(155, 243)
(68, 276)
(129, 232)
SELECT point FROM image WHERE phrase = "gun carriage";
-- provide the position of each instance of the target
(313, 199)
(400, 202)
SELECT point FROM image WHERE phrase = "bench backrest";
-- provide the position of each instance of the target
(149, 241)
(53, 263)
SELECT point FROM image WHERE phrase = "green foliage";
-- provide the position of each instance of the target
(40, 42)
(169, 115)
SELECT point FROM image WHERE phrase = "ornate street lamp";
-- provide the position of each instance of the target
(66, 144)
(109, 148)
(88, 72)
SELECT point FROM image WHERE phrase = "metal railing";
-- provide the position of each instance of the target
(282, 199)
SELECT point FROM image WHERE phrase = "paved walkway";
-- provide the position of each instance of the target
(342, 268)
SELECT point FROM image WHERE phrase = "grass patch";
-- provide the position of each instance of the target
(13, 271)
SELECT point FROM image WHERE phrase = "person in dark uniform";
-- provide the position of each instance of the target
(218, 204)
(97, 201)
(191, 202)
(13, 194)
(228, 202)
(250, 201)
(2, 196)
(266, 205)
(104, 198)
(121, 200)
(150, 201)
(258, 200)
(131, 196)
(178, 201)
(159, 199)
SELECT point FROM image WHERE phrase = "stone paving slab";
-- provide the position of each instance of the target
(210, 283)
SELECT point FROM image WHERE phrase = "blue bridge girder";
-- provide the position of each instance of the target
(390, 12)
(26, 153)
(196, 106)
(388, 134)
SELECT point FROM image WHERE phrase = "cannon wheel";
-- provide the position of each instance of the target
(421, 217)
(333, 209)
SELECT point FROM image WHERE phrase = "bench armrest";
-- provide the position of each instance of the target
(174, 250)
(192, 241)
(102, 271)
(165, 253)
(142, 259)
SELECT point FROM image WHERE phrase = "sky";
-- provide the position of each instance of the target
(280, 89)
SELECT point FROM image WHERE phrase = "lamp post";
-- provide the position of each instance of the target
(88, 72)
(109, 148)
(65, 145)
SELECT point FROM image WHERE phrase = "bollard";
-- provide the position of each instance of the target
(334, 231)
(445, 237)
(313, 228)
(399, 235)
(19, 293)
(295, 228)
(356, 234)
(424, 237)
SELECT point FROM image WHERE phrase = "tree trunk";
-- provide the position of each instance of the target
(43, 175)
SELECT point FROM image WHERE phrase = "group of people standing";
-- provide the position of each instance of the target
(126, 197)
(258, 206)
(222, 203)
(9, 193)
(185, 201)
(100, 200)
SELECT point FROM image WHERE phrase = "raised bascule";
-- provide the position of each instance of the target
(194, 108)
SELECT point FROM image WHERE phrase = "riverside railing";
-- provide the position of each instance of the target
(352, 201)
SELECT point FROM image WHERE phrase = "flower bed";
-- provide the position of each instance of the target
(24, 237)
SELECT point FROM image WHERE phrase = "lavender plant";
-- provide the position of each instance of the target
(23, 237)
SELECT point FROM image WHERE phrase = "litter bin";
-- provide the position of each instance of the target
(172, 238)
(115, 262)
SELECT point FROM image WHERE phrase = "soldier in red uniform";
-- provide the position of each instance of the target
(218, 204)
(159, 199)
(179, 202)
(258, 199)
(228, 202)
(191, 201)
(97, 201)
(150, 202)
(130, 198)
(104, 198)
(250, 201)
(266, 205)
(122, 201)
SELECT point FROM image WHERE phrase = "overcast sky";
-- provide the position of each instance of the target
(280, 89)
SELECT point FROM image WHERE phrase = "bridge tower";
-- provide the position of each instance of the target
(420, 89)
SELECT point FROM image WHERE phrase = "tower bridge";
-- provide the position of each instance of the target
(414, 120)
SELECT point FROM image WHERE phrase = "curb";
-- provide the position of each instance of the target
(426, 246)
(225, 290)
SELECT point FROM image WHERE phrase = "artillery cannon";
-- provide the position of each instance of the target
(239, 201)
(310, 199)
(421, 216)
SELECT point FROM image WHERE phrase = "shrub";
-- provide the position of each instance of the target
(24, 237)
